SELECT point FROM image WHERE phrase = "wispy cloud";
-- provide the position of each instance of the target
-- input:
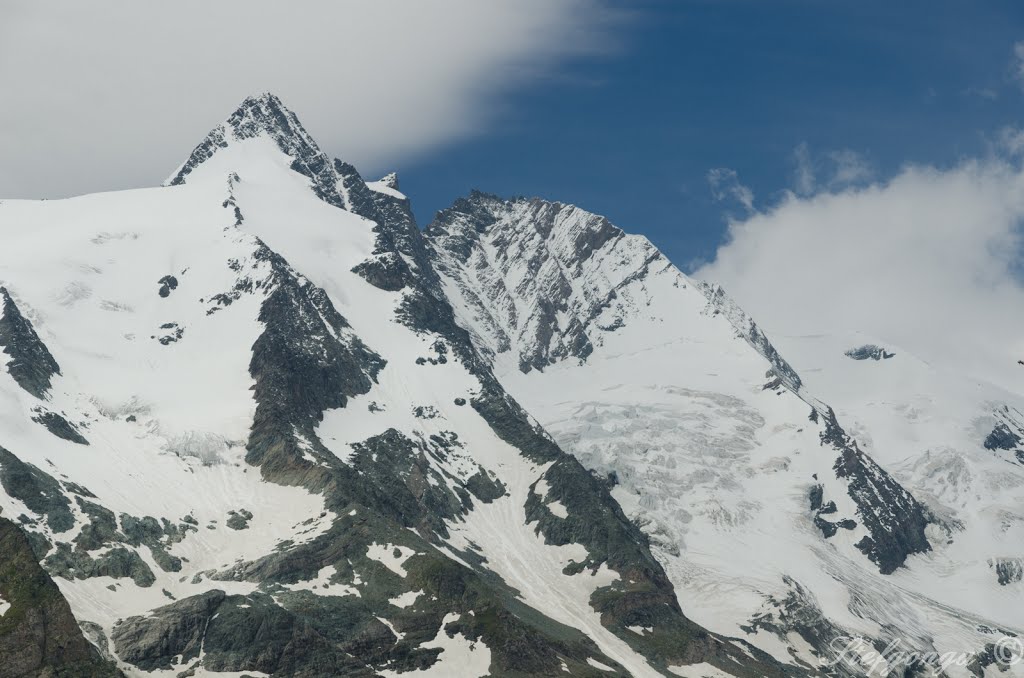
(725, 186)
(848, 168)
(832, 170)
(1018, 62)
(987, 93)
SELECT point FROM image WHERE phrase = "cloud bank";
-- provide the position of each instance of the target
(929, 260)
(114, 94)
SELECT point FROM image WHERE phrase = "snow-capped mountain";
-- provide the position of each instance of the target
(256, 422)
(244, 434)
(780, 518)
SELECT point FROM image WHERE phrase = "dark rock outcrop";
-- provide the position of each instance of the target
(869, 352)
(39, 491)
(239, 520)
(234, 633)
(1008, 433)
(306, 361)
(1002, 438)
(168, 284)
(1008, 570)
(895, 520)
(31, 363)
(38, 634)
(59, 426)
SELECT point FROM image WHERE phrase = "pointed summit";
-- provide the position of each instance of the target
(264, 115)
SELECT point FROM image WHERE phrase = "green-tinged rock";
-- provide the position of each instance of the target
(38, 634)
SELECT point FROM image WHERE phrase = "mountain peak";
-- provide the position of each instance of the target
(390, 180)
(265, 97)
(264, 113)
(265, 116)
(260, 115)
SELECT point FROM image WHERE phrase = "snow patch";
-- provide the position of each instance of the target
(391, 556)
(459, 656)
(556, 507)
(406, 599)
(702, 670)
(598, 665)
(321, 585)
(384, 188)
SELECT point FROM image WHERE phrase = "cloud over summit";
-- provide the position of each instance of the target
(113, 94)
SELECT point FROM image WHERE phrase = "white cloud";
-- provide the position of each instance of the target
(725, 185)
(115, 93)
(930, 260)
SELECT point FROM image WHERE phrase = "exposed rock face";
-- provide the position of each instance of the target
(1008, 433)
(869, 352)
(266, 116)
(40, 492)
(30, 363)
(1008, 570)
(60, 427)
(541, 279)
(38, 634)
(894, 518)
(1002, 438)
(234, 633)
(400, 255)
(306, 361)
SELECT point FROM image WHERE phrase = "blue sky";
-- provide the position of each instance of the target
(687, 87)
